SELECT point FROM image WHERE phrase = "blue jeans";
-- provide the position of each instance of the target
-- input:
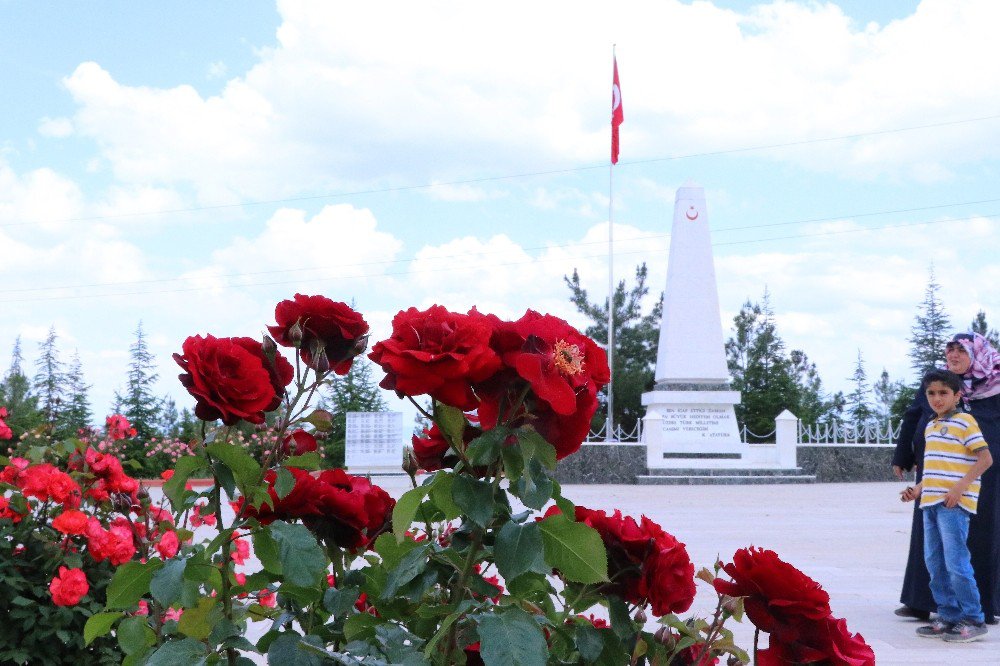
(950, 565)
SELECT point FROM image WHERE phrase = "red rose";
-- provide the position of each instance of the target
(7, 512)
(5, 431)
(46, 482)
(825, 641)
(167, 545)
(437, 353)
(433, 452)
(115, 544)
(297, 443)
(324, 326)
(118, 427)
(564, 371)
(777, 595)
(645, 564)
(68, 587)
(232, 378)
(70, 521)
(345, 509)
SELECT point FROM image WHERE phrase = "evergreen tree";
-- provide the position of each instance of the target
(980, 326)
(858, 410)
(761, 372)
(137, 402)
(77, 414)
(886, 393)
(812, 405)
(354, 392)
(635, 337)
(169, 417)
(17, 397)
(929, 332)
(50, 380)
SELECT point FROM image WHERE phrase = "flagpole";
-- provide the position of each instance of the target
(609, 423)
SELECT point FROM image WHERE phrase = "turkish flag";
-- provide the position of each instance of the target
(617, 115)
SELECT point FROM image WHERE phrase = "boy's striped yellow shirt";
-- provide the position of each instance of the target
(950, 452)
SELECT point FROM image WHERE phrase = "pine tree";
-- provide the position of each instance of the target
(812, 406)
(50, 379)
(886, 393)
(17, 397)
(858, 410)
(137, 402)
(761, 372)
(980, 326)
(635, 336)
(77, 414)
(354, 392)
(929, 332)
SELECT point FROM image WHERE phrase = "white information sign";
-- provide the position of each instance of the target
(374, 442)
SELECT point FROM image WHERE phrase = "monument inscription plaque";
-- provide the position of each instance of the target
(373, 442)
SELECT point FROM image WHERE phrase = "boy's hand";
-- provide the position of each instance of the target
(952, 498)
(909, 494)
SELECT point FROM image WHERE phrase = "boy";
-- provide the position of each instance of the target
(955, 457)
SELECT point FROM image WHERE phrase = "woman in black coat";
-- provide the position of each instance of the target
(972, 357)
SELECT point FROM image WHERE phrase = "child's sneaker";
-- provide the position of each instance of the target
(936, 629)
(965, 632)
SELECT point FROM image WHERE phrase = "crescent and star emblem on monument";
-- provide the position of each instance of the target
(691, 214)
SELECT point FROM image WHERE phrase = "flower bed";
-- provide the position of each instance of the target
(452, 572)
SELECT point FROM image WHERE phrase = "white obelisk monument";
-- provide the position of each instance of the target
(690, 421)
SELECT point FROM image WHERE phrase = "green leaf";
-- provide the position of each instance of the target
(99, 625)
(288, 649)
(588, 641)
(485, 449)
(406, 509)
(197, 622)
(302, 560)
(412, 565)
(167, 584)
(451, 422)
(518, 549)
(309, 460)
(575, 549)
(186, 651)
(266, 550)
(513, 462)
(392, 551)
(337, 602)
(246, 471)
(360, 627)
(567, 507)
(511, 638)
(173, 488)
(135, 635)
(441, 488)
(474, 498)
(284, 482)
(535, 447)
(621, 621)
(535, 487)
(131, 583)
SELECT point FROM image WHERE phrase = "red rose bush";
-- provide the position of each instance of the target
(450, 572)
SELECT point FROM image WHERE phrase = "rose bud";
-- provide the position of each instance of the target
(295, 334)
(410, 465)
(322, 363)
(640, 617)
(662, 635)
(270, 347)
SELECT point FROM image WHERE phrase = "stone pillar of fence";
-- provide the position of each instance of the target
(786, 438)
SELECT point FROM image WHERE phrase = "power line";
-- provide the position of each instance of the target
(487, 179)
(497, 265)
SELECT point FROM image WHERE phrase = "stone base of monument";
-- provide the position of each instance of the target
(733, 476)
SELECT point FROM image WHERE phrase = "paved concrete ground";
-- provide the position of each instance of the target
(850, 537)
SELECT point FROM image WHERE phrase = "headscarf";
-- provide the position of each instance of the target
(982, 379)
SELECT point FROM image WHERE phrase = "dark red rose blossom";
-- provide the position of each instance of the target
(825, 641)
(563, 369)
(776, 593)
(325, 326)
(232, 378)
(298, 442)
(337, 506)
(437, 353)
(433, 452)
(645, 563)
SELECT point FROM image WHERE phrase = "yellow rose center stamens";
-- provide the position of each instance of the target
(568, 358)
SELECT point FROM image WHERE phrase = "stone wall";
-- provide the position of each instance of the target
(833, 463)
(603, 463)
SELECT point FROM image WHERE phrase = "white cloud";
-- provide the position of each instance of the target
(57, 128)
(217, 70)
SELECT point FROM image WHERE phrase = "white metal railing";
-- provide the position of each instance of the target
(838, 432)
(618, 434)
(748, 436)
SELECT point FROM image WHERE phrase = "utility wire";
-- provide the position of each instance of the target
(487, 179)
(497, 265)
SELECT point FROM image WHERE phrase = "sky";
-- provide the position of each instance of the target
(190, 165)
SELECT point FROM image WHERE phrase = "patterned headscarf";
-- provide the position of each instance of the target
(982, 379)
